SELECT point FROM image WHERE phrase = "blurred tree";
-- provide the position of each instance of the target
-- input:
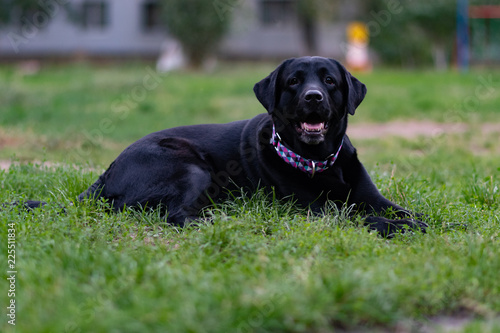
(198, 25)
(13, 9)
(27, 18)
(419, 33)
(307, 13)
(437, 19)
(310, 14)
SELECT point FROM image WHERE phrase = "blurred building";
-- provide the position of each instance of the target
(132, 28)
(86, 28)
(271, 28)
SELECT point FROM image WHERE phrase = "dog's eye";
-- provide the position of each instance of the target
(293, 81)
(329, 80)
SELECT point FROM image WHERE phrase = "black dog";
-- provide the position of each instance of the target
(299, 149)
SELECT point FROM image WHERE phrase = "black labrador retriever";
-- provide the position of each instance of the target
(299, 149)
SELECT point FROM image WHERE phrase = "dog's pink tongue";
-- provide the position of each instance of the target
(313, 127)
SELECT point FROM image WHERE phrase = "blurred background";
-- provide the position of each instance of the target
(404, 33)
(82, 79)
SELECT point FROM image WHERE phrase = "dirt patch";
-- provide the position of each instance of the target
(10, 140)
(408, 129)
(415, 129)
(6, 164)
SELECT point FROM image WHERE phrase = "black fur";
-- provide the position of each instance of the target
(183, 169)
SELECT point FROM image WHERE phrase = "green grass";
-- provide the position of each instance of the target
(87, 115)
(263, 265)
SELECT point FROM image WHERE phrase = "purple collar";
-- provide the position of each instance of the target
(311, 167)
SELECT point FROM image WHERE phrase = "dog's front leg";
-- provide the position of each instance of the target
(388, 228)
(374, 205)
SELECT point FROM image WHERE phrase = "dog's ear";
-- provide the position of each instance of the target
(266, 90)
(356, 91)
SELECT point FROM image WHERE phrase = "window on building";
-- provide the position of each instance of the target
(151, 16)
(95, 14)
(280, 12)
(26, 16)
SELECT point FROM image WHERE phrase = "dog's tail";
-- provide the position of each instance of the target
(32, 204)
(93, 192)
(28, 204)
(25, 204)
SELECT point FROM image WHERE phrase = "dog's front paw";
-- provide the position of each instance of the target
(388, 228)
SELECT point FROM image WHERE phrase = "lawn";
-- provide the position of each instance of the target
(262, 265)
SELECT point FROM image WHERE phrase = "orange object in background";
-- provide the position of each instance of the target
(357, 56)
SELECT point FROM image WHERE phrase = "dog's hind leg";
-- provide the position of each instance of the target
(189, 196)
(94, 191)
(173, 179)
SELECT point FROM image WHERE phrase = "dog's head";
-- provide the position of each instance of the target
(309, 99)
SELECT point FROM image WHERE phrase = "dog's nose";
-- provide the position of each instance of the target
(313, 95)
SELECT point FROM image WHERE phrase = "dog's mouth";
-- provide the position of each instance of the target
(311, 132)
(312, 128)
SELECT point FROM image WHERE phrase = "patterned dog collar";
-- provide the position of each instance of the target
(311, 167)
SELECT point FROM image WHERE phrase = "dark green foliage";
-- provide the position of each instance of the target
(198, 25)
(412, 33)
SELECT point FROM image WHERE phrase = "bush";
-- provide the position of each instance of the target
(198, 25)
(417, 34)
